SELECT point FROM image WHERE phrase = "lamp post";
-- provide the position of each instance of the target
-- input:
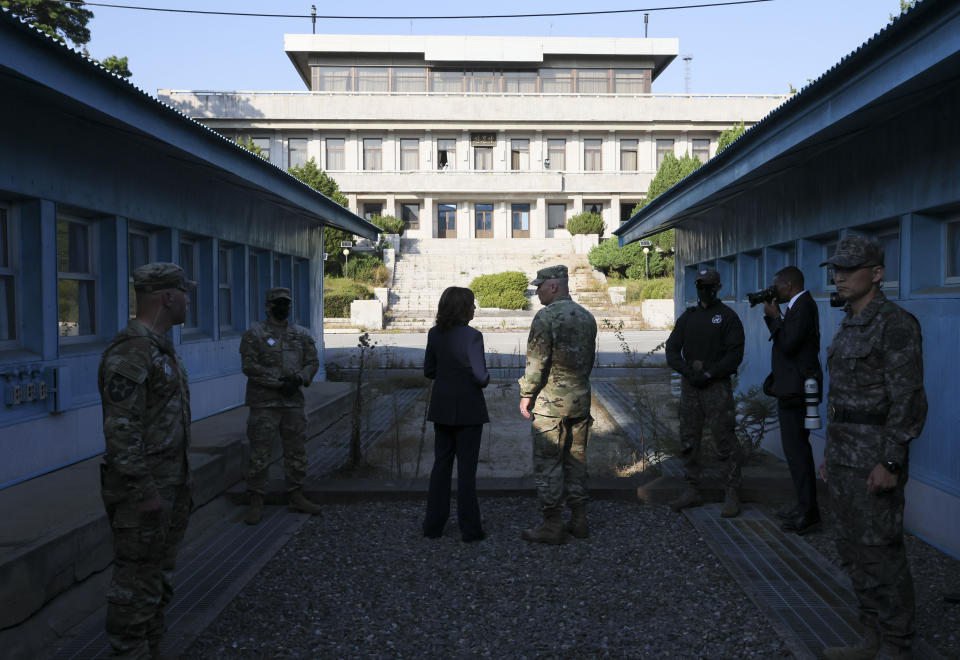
(346, 262)
(646, 261)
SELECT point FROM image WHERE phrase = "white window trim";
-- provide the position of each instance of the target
(93, 276)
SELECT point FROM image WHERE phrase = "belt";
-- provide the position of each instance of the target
(848, 416)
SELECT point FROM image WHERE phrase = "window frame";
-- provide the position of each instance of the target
(92, 276)
(11, 271)
(449, 163)
(519, 147)
(660, 152)
(406, 152)
(226, 255)
(592, 150)
(415, 225)
(375, 153)
(487, 153)
(259, 141)
(341, 150)
(514, 210)
(552, 151)
(151, 236)
(948, 279)
(192, 273)
(626, 149)
(563, 218)
(693, 148)
(290, 150)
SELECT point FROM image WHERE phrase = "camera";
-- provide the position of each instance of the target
(766, 295)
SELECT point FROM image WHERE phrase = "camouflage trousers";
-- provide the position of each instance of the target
(264, 426)
(713, 403)
(560, 460)
(145, 555)
(870, 544)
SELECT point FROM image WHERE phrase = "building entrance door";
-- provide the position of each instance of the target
(520, 220)
(447, 220)
(483, 217)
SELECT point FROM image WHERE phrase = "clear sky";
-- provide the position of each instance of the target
(759, 48)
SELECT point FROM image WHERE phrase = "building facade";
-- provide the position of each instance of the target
(478, 137)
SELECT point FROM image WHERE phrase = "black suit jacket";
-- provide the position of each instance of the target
(795, 355)
(455, 359)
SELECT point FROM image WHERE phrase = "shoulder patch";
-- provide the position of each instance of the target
(129, 370)
(120, 388)
(717, 319)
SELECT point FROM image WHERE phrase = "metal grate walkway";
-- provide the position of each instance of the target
(214, 567)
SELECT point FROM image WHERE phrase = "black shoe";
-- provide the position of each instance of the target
(788, 513)
(802, 524)
(478, 536)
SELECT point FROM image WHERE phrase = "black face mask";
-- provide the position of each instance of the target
(706, 294)
(280, 312)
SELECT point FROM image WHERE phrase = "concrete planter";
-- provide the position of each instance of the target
(367, 314)
(618, 294)
(583, 243)
(658, 313)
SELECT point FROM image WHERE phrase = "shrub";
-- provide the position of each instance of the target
(339, 295)
(585, 223)
(501, 290)
(368, 269)
(658, 288)
(635, 272)
(389, 224)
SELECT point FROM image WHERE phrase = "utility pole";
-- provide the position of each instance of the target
(313, 17)
(646, 24)
(686, 72)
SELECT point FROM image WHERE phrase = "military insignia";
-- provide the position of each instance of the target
(120, 388)
(716, 320)
(271, 341)
(167, 370)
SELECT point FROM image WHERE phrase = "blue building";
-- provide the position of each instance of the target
(870, 147)
(97, 178)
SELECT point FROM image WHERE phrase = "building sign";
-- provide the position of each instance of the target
(483, 139)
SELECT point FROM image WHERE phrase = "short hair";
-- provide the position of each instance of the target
(455, 307)
(791, 275)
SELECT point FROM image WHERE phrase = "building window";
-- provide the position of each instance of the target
(410, 214)
(592, 155)
(296, 152)
(557, 154)
(373, 79)
(189, 261)
(138, 254)
(628, 155)
(556, 81)
(520, 217)
(224, 287)
(447, 218)
(889, 238)
(593, 207)
(254, 302)
(484, 82)
(631, 81)
(336, 159)
(664, 147)
(556, 216)
(952, 257)
(331, 79)
(484, 218)
(409, 79)
(450, 82)
(701, 149)
(372, 209)
(8, 273)
(372, 154)
(483, 158)
(281, 270)
(76, 278)
(262, 143)
(520, 82)
(446, 154)
(520, 155)
(593, 81)
(409, 154)
(301, 292)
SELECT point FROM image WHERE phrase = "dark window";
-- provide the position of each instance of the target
(77, 278)
(556, 216)
(410, 214)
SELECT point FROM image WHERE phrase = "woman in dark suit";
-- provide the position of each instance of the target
(455, 360)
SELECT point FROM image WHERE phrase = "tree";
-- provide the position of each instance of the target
(904, 6)
(67, 23)
(731, 134)
(320, 181)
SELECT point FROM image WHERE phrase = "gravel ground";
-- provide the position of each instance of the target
(362, 582)
(934, 572)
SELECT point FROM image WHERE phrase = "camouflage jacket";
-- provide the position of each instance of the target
(146, 411)
(269, 351)
(560, 353)
(876, 370)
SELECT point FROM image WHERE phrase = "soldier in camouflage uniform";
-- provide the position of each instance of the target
(706, 348)
(145, 476)
(278, 359)
(560, 355)
(876, 406)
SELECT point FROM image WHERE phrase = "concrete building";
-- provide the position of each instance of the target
(478, 137)
(97, 178)
(867, 148)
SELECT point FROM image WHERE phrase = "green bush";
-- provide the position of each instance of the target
(501, 290)
(585, 223)
(656, 289)
(367, 268)
(389, 224)
(339, 294)
(629, 261)
(635, 272)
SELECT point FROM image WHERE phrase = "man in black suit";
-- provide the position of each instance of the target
(795, 358)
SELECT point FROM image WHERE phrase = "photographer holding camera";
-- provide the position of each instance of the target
(795, 357)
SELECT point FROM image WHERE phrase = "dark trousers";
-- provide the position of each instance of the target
(462, 443)
(795, 441)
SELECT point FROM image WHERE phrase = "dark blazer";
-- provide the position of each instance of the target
(455, 359)
(795, 355)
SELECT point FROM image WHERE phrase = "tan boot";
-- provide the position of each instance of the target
(299, 502)
(577, 526)
(255, 510)
(550, 531)
(689, 497)
(731, 504)
(866, 650)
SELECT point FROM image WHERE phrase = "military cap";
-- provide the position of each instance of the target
(550, 273)
(856, 250)
(279, 293)
(161, 275)
(708, 276)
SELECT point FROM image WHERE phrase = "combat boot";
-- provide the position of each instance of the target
(550, 531)
(255, 510)
(731, 504)
(689, 497)
(299, 502)
(577, 526)
(866, 650)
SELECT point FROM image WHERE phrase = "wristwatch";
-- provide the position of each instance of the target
(892, 466)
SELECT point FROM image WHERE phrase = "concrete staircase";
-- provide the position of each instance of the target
(426, 267)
